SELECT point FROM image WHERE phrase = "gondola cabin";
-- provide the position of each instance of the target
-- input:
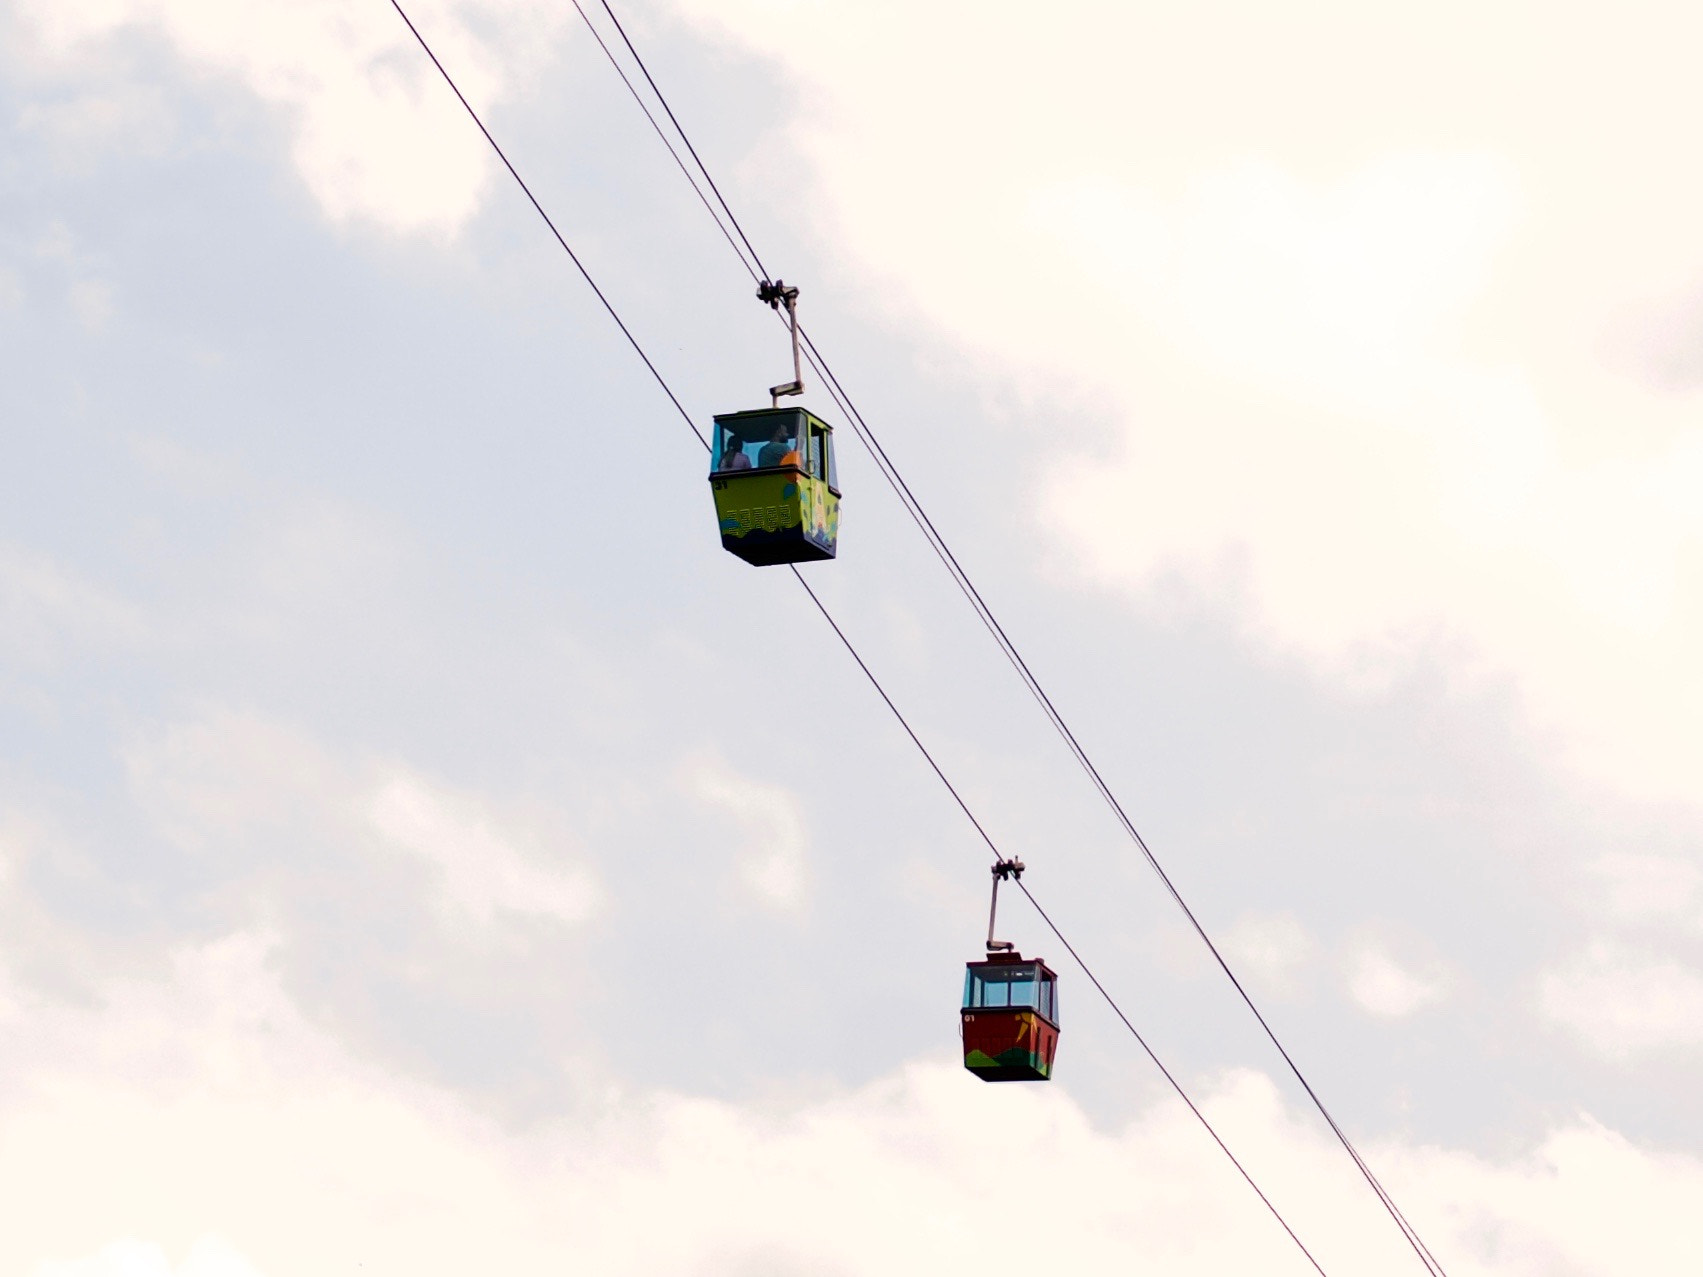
(1010, 1018)
(777, 496)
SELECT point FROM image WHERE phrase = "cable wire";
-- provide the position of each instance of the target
(846, 641)
(533, 200)
(663, 137)
(985, 613)
(688, 141)
(1159, 1064)
(1053, 927)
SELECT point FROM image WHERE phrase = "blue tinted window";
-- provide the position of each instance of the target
(728, 448)
(820, 458)
(1017, 985)
(1049, 1000)
(756, 443)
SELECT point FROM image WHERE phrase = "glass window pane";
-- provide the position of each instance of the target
(778, 445)
(755, 442)
(1017, 985)
(730, 452)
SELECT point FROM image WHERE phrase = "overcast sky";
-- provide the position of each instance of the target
(424, 851)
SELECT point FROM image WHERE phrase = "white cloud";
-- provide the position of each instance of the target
(1369, 482)
(209, 1257)
(231, 783)
(482, 866)
(11, 290)
(1335, 290)
(92, 303)
(214, 780)
(204, 1106)
(1385, 987)
(775, 860)
(376, 136)
(1345, 369)
(1639, 889)
(89, 127)
(47, 611)
(1274, 949)
(1624, 1003)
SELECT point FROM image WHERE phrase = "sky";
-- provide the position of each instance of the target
(423, 850)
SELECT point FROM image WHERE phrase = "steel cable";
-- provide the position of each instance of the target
(845, 640)
(984, 612)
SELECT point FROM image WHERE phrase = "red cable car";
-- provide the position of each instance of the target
(1009, 1019)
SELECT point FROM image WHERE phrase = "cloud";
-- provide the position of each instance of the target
(87, 129)
(1274, 949)
(482, 866)
(375, 135)
(774, 863)
(48, 612)
(1634, 889)
(1623, 1003)
(1341, 377)
(92, 303)
(237, 786)
(201, 1114)
(1666, 342)
(208, 1257)
(1368, 487)
(1385, 987)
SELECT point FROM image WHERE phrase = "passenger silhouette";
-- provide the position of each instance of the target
(777, 449)
(733, 455)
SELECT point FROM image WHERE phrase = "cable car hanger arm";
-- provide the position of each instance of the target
(779, 294)
(1002, 869)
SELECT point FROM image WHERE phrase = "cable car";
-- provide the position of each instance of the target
(1009, 1020)
(777, 495)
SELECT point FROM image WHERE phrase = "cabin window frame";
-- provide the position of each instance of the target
(1039, 987)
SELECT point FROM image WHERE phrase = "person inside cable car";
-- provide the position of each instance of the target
(733, 455)
(778, 450)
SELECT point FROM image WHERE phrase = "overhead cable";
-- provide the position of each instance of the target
(1093, 979)
(850, 648)
(533, 200)
(755, 271)
(996, 630)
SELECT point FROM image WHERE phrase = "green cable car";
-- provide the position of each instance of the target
(777, 496)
